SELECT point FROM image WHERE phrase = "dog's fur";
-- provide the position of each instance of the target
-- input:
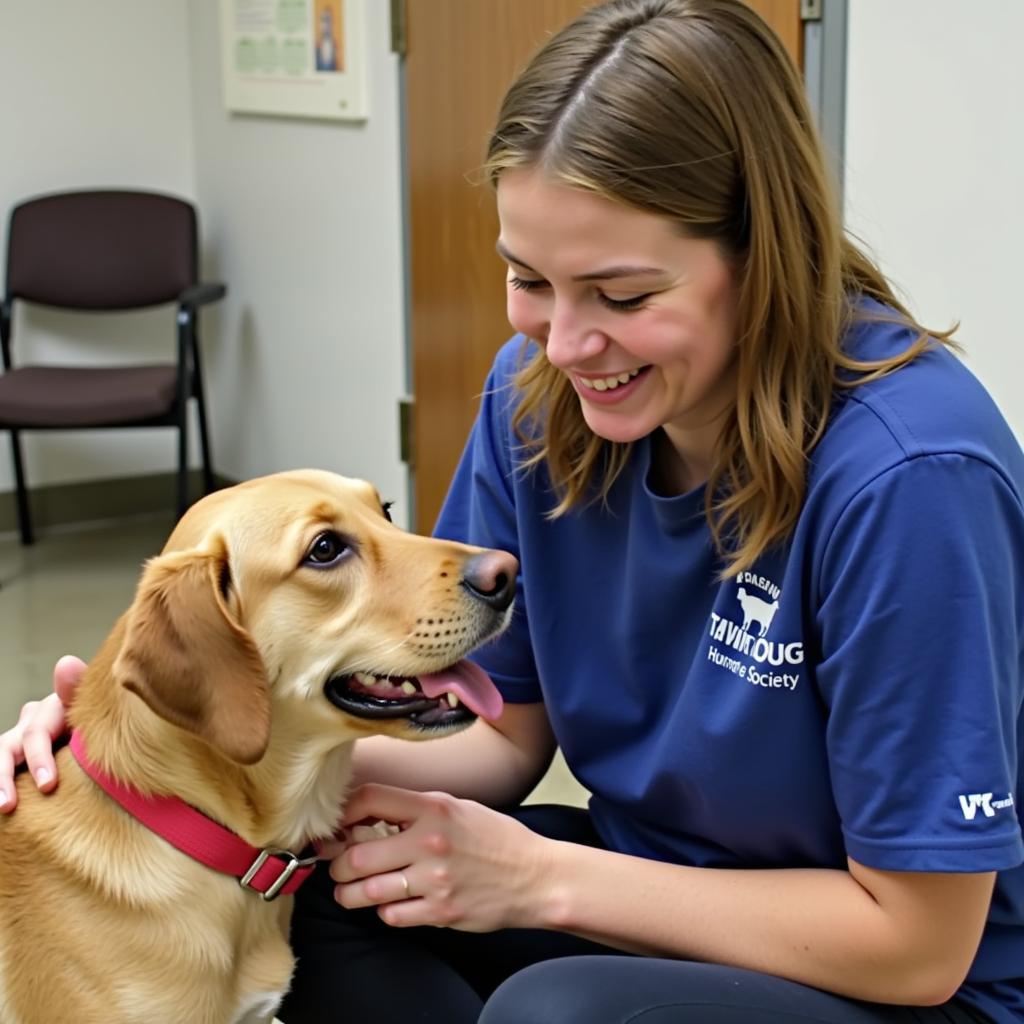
(211, 688)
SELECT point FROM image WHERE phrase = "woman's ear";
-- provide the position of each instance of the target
(190, 661)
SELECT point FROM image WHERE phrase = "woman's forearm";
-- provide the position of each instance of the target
(494, 766)
(909, 939)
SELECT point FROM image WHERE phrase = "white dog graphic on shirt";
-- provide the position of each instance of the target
(755, 609)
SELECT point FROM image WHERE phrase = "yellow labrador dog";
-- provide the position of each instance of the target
(285, 618)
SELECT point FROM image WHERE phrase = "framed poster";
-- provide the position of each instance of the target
(297, 58)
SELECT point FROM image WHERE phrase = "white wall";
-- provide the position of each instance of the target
(308, 364)
(302, 220)
(93, 96)
(935, 169)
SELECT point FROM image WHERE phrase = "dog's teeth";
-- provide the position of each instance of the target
(408, 688)
(453, 701)
(365, 678)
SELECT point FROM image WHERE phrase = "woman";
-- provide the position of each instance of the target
(770, 609)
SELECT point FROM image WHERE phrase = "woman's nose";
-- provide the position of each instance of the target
(571, 340)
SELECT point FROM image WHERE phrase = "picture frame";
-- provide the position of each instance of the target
(295, 58)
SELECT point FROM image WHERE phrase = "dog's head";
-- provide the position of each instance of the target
(294, 597)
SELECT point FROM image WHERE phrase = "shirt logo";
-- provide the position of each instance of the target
(743, 647)
(971, 802)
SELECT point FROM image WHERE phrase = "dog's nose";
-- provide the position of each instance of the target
(491, 577)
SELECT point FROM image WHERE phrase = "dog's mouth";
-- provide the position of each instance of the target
(450, 697)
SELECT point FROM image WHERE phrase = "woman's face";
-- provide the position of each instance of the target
(640, 318)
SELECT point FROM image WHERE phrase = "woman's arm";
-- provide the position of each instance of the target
(495, 763)
(883, 936)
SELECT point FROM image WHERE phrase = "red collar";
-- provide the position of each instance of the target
(267, 872)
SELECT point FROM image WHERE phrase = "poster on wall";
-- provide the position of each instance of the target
(297, 58)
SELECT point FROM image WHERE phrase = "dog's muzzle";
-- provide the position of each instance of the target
(451, 697)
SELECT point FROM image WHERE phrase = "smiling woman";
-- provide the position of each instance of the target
(614, 292)
(712, 445)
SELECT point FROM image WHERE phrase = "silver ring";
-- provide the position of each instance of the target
(405, 884)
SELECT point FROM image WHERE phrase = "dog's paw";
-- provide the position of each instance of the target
(378, 830)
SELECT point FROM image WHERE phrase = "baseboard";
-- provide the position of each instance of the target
(56, 505)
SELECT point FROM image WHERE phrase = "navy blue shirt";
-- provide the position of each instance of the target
(856, 693)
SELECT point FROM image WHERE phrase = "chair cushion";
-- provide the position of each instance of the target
(72, 396)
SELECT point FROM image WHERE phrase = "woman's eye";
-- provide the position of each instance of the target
(624, 305)
(326, 550)
(523, 284)
(526, 284)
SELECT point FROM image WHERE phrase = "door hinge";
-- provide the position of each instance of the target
(406, 450)
(810, 10)
(398, 26)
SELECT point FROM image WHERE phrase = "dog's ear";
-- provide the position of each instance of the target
(190, 661)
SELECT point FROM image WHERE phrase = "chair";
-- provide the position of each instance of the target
(104, 251)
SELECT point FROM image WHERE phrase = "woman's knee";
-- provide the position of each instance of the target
(561, 990)
(620, 989)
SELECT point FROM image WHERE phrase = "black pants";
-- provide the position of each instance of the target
(354, 969)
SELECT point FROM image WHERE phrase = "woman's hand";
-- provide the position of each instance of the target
(455, 863)
(39, 724)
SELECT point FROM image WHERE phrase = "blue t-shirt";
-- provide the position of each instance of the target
(857, 692)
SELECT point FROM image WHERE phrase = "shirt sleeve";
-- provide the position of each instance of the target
(481, 509)
(920, 613)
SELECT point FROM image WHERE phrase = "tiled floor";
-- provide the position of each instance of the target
(63, 595)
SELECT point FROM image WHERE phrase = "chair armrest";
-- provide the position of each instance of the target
(201, 294)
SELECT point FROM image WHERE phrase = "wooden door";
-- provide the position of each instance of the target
(461, 55)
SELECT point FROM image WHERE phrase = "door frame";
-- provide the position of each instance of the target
(825, 49)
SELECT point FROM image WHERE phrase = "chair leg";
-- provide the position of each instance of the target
(204, 435)
(21, 490)
(183, 461)
(184, 379)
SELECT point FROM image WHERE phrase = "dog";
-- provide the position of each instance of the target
(285, 618)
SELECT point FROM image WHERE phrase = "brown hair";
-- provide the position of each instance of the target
(693, 110)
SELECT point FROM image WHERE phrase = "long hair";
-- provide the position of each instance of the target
(693, 110)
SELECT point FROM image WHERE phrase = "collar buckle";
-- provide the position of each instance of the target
(273, 890)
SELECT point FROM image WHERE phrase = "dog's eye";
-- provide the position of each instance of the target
(386, 509)
(326, 550)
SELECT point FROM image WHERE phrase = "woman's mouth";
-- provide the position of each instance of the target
(611, 388)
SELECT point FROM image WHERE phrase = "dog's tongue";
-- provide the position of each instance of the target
(470, 683)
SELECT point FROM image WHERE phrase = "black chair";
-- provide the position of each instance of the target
(105, 251)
